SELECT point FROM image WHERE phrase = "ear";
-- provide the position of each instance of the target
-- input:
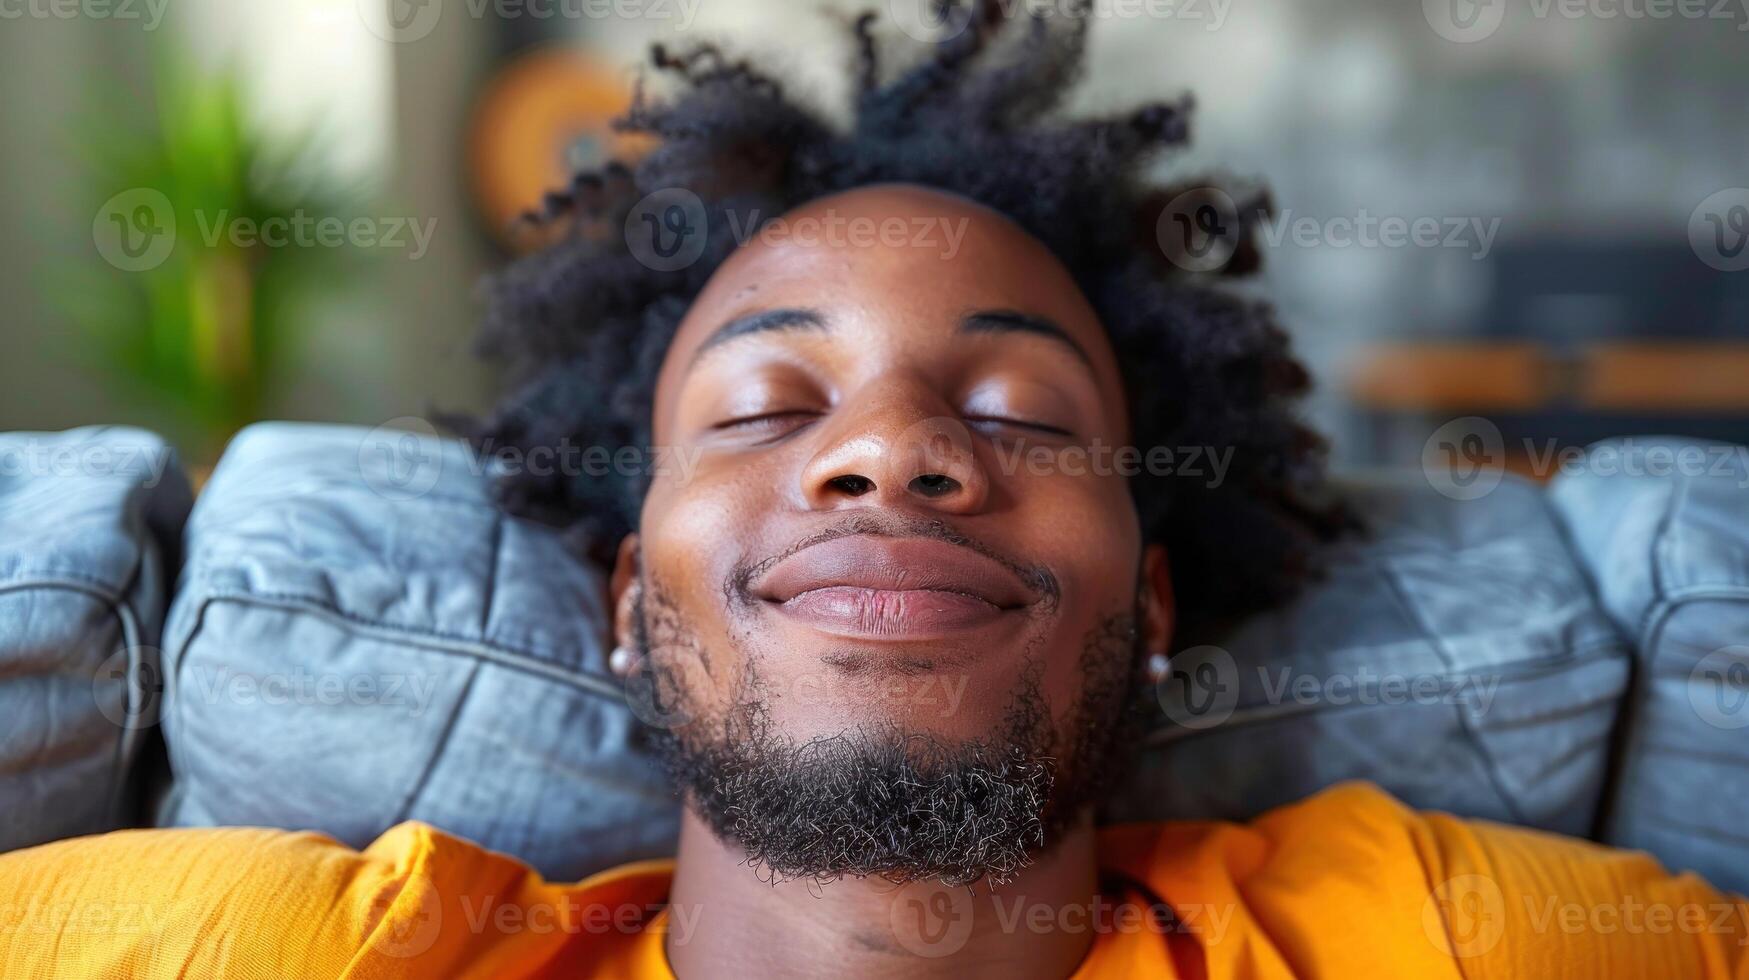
(1159, 608)
(622, 589)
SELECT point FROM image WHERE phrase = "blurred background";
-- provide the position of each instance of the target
(1532, 213)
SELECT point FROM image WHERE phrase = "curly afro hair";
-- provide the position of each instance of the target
(582, 324)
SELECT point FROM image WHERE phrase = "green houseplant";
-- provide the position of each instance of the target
(190, 304)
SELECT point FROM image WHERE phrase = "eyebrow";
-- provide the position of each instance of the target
(801, 318)
(1014, 321)
(761, 321)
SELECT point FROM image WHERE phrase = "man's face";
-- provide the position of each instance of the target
(888, 526)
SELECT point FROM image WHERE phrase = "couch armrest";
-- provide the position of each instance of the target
(89, 521)
(1662, 526)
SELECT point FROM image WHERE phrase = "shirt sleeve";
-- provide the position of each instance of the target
(241, 903)
(1511, 902)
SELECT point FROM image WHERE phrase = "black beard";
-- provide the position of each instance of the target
(901, 806)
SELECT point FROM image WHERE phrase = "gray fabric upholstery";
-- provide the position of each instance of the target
(360, 638)
(1663, 527)
(83, 514)
(324, 552)
(1455, 656)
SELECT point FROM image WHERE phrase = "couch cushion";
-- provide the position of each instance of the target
(361, 638)
(83, 518)
(1663, 526)
(1455, 656)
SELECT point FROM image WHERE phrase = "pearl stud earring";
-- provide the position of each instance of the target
(1159, 667)
(620, 661)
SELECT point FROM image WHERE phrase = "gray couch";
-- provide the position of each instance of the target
(356, 637)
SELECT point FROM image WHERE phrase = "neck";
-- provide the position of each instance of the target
(741, 925)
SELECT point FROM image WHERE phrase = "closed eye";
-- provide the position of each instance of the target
(768, 421)
(1001, 421)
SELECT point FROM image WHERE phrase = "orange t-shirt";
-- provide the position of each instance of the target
(1349, 883)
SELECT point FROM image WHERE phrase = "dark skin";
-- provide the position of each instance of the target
(816, 384)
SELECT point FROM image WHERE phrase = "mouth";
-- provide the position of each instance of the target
(896, 589)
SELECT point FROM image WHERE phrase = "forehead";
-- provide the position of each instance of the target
(898, 262)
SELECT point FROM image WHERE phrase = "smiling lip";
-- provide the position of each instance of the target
(893, 588)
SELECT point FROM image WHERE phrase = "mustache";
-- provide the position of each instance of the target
(738, 589)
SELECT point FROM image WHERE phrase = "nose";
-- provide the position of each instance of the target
(898, 450)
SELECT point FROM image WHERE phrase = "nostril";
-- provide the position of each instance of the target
(934, 485)
(851, 484)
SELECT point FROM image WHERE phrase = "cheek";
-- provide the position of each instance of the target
(1086, 528)
(692, 532)
(1096, 556)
